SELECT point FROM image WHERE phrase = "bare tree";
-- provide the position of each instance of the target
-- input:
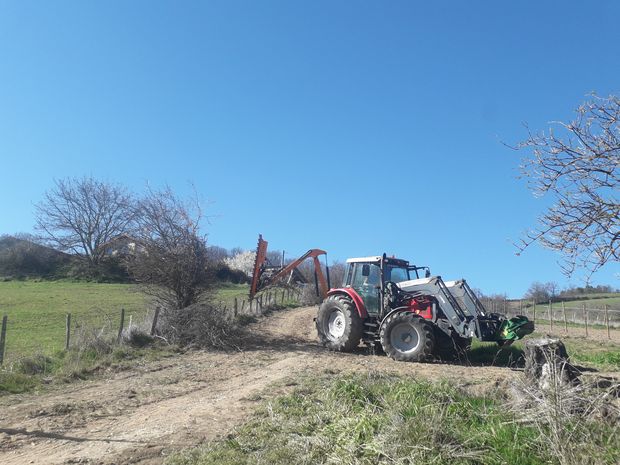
(83, 215)
(336, 273)
(539, 292)
(171, 259)
(579, 166)
(553, 289)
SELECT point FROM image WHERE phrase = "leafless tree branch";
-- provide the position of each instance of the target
(83, 215)
(579, 167)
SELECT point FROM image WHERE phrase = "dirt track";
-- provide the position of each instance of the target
(140, 415)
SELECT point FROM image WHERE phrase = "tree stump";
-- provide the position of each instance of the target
(547, 364)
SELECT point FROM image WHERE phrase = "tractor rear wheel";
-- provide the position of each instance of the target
(407, 337)
(339, 326)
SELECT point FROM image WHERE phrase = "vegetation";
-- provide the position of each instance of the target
(387, 419)
(589, 353)
(32, 372)
(576, 164)
(37, 310)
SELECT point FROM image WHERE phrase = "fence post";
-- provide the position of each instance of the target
(607, 321)
(551, 314)
(585, 317)
(564, 314)
(68, 331)
(282, 299)
(534, 307)
(242, 306)
(120, 328)
(3, 338)
(236, 308)
(154, 323)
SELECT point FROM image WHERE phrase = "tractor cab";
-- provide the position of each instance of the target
(368, 275)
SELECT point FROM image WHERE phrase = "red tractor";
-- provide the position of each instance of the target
(386, 302)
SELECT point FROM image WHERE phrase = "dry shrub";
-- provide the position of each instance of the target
(137, 337)
(575, 420)
(34, 365)
(200, 325)
(95, 341)
(309, 296)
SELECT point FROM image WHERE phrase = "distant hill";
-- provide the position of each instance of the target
(23, 258)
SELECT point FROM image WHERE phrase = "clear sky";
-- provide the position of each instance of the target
(354, 126)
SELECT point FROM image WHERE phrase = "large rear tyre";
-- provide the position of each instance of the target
(339, 326)
(407, 337)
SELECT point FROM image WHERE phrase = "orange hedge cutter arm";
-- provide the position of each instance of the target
(261, 257)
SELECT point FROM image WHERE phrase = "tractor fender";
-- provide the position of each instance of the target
(397, 310)
(355, 297)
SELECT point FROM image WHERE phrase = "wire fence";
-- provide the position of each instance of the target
(560, 316)
(51, 331)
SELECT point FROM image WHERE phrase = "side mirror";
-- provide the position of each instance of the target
(427, 274)
(366, 270)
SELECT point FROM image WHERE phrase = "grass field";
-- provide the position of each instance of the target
(378, 419)
(37, 310)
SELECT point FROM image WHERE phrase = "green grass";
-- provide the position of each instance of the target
(382, 419)
(228, 292)
(29, 373)
(589, 353)
(612, 301)
(37, 310)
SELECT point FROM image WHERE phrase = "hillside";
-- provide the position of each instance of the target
(23, 258)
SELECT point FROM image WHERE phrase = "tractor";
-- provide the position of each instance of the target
(387, 303)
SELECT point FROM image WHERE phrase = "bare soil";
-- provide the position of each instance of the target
(142, 414)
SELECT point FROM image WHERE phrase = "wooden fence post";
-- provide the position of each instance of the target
(242, 306)
(585, 317)
(282, 298)
(68, 331)
(154, 323)
(236, 308)
(551, 314)
(3, 338)
(607, 321)
(534, 306)
(120, 328)
(564, 314)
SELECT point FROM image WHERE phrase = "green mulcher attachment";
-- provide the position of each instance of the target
(514, 329)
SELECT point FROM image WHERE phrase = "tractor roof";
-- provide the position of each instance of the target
(364, 259)
(377, 259)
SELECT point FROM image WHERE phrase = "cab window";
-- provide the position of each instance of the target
(365, 274)
(397, 274)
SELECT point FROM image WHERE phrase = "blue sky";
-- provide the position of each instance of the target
(354, 126)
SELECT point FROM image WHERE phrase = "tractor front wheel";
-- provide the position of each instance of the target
(407, 337)
(338, 324)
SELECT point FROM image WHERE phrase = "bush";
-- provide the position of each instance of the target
(35, 365)
(200, 325)
(136, 337)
